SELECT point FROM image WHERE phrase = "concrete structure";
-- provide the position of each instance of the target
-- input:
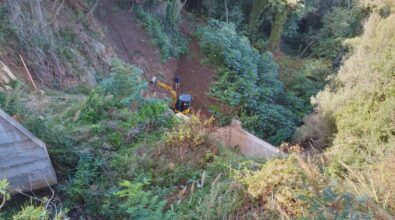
(24, 159)
(235, 136)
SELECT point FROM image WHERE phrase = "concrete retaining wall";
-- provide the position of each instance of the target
(24, 159)
(235, 136)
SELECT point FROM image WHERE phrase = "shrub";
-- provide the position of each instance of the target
(125, 83)
(32, 212)
(360, 101)
(225, 200)
(170, 43)
(96, 107)
(58, 139)
(39, 212)
(140, 204)
(338, 25)
(189, 140)
(5, 24)
(303, 78)
(122, 89)
(295, 189)
(277, 183)
(11, 102)
(85, 186)
(248, 81)
(4, 193)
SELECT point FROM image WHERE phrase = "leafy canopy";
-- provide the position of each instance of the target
(249, 81)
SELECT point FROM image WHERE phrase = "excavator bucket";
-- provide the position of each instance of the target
(154, 80)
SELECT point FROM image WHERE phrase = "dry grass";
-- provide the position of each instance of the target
(190, 141)
(377, 182)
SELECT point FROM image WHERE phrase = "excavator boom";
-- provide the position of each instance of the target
(170, 90)
(179, 104)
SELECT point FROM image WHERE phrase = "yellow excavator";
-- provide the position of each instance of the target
(180, 104)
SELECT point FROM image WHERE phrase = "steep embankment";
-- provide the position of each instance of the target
(130, 42)
(133, 46)
(60, 42)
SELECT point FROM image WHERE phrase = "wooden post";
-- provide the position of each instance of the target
(28, 72)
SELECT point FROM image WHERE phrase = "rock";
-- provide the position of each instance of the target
(5, 73)
(6, 76)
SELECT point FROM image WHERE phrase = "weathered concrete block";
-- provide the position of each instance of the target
(249, 145)
(24, 159)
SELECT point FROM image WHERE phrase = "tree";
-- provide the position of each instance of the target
(278, 11)
(173, 11)
(277, 29)
(254, 20)
(249, 82)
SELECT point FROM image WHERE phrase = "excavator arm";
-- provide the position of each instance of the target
(169, 89)
(180, 104)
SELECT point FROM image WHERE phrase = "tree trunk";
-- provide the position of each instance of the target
(277, 30)
(173, 12)
(226, 11)
(255, 16)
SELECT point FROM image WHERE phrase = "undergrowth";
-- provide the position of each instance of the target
(171, 43)
(119, 155)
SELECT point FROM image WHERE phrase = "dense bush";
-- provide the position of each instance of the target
(359, 102)
(122, 89)
(277, 184)
(110, 123)
(303, 78)
(338, 24)
(248, 80)
(358, 107)
(296, 189)
(140, 204)
(216, 10)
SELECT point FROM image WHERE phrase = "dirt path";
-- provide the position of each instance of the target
(133, 46)
(195, 76)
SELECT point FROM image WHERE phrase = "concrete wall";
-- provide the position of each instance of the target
(235, 136)
(24, 159)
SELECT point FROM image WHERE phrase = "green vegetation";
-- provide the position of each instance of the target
(249, 80)
(313, 67)
(5, 195)
(5, 25)
(359, 102)
(338, 25)
(127, 156)
(170, 42)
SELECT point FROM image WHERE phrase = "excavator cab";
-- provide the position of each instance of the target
(180, 104)
(183, 103)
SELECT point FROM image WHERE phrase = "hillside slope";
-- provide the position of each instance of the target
(122, 154)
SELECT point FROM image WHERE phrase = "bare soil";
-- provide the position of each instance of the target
(130, 42)
(195, 76)
(133, 46)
